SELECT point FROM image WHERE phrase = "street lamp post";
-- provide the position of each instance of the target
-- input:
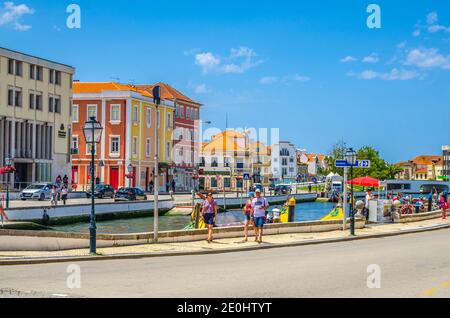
(350, 157)
(8, 163)
(157, 100)
(130, 176)
(92, 131)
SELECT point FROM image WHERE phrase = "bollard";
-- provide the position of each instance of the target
(292, 204)
(197, 210)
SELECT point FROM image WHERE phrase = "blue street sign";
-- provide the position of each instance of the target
(358, 164)
(341, 164)
(363, 163)
(314, 179)
(246, 176)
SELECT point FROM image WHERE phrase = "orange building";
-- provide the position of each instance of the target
(128, 116)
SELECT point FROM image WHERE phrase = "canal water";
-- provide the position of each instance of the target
(309, 211)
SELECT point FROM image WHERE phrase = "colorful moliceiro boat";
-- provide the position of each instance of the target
(335, 214)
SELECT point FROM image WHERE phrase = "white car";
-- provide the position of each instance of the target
(37, 191)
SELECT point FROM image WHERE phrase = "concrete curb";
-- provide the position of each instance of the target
(49, 260)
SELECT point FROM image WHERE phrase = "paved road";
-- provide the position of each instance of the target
(416, 265)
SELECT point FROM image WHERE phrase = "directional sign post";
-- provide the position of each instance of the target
(362, 164)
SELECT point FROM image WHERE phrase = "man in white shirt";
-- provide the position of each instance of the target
(259, 207)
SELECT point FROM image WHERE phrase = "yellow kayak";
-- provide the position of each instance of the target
(335, 214)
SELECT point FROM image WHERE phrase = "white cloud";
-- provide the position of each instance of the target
(368, 75)
(239, 61)
(207, 61)
(432, 18)
(393, 75)
(268, 80)
(372, 58)
(400, 75)
(285, 79)
(300, 78)
(12, 14)
(401, 45)
(432, 25)
(348, 59)
(201, 89)
(427, 58)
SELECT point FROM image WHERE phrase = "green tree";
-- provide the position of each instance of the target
(379, 168)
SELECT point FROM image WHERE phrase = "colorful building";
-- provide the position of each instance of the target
(125, 156)
(35, 125)
(185, 136)
(422, 167)
(224, 161)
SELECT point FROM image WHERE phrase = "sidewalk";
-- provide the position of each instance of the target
(222, 245)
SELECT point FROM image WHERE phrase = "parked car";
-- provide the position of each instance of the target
(36, 191)
(130, 194)
(282, 189)
(102, 191)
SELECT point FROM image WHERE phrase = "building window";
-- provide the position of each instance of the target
(181, 111)
(74, 142)
(158, 119)
(32, 100)
(51, 76)
(57, 77)
(15, 67)
(188, 112)
(213, 183)
(11, 67)
(32, 71)
(15, 97)
(38, 101)
(115, 144)
(91, 111)
(168, 150)
(39, 73)
(75, 113)
(50, 104)
(135, 146)
(57, 101)
(115, 113)
(148, 117)
(135, 114)
(169, 119)
(147, 147)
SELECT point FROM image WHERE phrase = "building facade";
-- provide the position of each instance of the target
(224, 162)
(284, 161)
(422, 167)
(446, 162)
(35, 110)
(126, 154)
(185, 136)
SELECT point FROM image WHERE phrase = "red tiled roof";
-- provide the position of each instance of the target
(168, 92)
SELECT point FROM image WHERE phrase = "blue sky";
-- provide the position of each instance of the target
(311, 68)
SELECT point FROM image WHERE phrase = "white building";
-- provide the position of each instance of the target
(284, 161)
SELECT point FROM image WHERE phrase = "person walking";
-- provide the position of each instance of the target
(209, 213)
(248, 215)
(151, 186)
(173, 185)
(58, 181)
(64, 194)
(65, 181)
(54, 196)
(443, 206)
(259, 207)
